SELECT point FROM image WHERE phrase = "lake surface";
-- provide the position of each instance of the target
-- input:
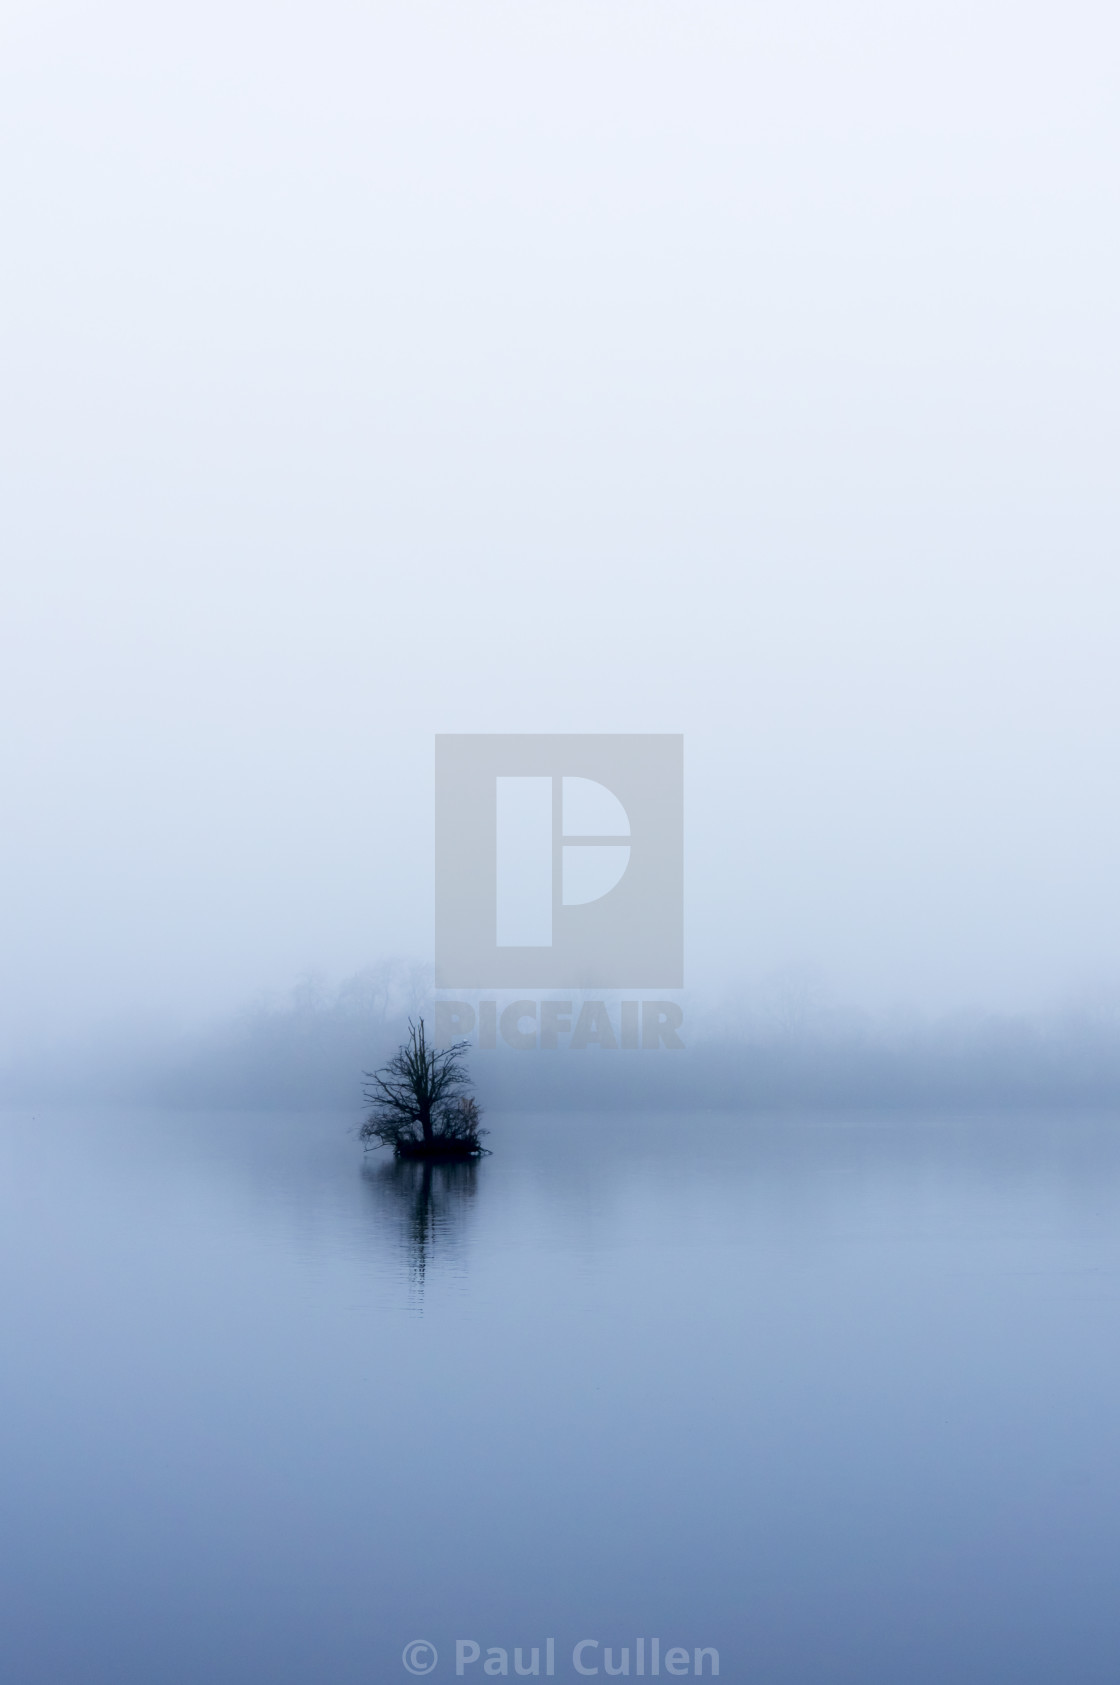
(837, 1399)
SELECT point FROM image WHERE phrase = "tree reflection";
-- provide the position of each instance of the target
(428, 1201)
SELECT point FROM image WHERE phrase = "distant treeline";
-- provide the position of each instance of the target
(776, 1046)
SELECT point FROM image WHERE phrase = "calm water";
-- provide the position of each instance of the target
(839, 1399)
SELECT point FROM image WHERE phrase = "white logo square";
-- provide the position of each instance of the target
(559, 861)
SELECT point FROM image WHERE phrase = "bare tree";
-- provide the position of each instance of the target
(421, 1101)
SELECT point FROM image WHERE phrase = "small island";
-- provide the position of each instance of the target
(421, 1102)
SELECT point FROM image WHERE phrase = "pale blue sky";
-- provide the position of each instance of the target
(743, 371)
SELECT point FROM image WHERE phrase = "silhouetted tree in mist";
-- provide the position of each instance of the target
(421, 1101)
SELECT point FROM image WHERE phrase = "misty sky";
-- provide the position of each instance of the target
(741, 370)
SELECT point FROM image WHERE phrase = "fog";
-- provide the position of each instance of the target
(373, 372)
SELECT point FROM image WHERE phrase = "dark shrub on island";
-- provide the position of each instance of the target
(421, 1102)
